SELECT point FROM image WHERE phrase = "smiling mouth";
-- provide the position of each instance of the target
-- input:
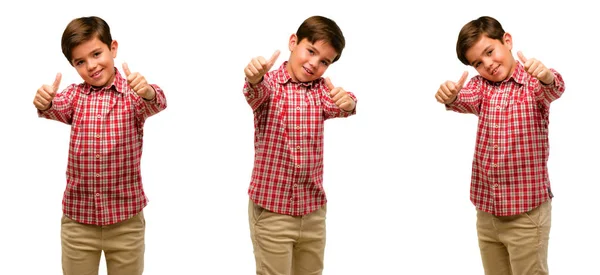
(96, 74)
(307, 70)
(495, 70)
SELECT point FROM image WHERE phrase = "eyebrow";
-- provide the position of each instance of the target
(482, 53)
(315, 49)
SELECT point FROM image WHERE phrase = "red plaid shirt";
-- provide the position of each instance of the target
(104, 183)
(288, 140)
(509, 173)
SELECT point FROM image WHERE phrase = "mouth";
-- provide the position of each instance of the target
(495, 70)
(308, 71)
(96, 74)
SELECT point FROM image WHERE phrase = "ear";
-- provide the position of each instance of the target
(293, 42)
(114, 45)
(507, 39)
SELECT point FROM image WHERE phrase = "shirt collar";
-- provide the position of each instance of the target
(520, 75)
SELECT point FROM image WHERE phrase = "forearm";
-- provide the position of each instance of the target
(257, 94)
(331, 110)
(546, 93)
(60, 109)
(156, 104)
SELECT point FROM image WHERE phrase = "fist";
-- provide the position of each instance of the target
(448, 91)
(45, 94)
(536, 69)
(341, 98)
(258, 67)
(138, 84)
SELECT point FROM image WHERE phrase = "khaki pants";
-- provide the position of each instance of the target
(287, 245)
(515, 245)
(122, 243)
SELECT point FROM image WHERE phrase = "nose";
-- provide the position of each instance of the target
(91, 64)
(487, 63)
(314, 61)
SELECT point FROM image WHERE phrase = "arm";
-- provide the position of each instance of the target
(459, 99)
(149, 98)
(258, 94)
(258, 88)
(61, 106)
(331, 107)
(336, 101)
(549, 85)
(546, 93)
(469, 98)
(145, 108)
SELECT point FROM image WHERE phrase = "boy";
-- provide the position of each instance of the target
(509, 183)
(287, 203)
(104, 197)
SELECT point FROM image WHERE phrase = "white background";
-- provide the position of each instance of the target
(396, 174)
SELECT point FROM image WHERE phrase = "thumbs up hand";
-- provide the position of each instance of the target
(45, 94)
(138, 83)
(448, 91)
(340, 96)
(258, 67)
(536, 69)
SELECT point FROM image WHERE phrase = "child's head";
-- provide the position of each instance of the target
(318, 43)
(483, 44)
(88, 46)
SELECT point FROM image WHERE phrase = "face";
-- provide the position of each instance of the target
(94, 62)
(309, 61)
(492, 59)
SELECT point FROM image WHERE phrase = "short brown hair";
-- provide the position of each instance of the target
(317, 28)
(472, 31)
(83, 29)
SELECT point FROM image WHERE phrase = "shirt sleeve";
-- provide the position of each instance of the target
(259, 93)
(330, 110)
(469, 98)
(147, 108)
(61, 108)
(545, 94)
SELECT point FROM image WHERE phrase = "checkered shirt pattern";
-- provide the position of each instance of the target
(104, 183)
(287, 177)
(509, 172)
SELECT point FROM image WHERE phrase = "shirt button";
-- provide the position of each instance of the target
(298, 166)
(498, 107)
(495, 165)
(98, 116)
(97, 194)
(98, 175)
(298, 148)
(97, 135)
(495, 146)
(297, 127)
(495, 125)
(97, 156)
(295, 185)
(298, 108)
(495, 185)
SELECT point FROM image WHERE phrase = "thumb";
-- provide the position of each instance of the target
(273, 59)
(56, 83)
(329, 84)
(126, 69)
(462, 79)
(521, 57)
